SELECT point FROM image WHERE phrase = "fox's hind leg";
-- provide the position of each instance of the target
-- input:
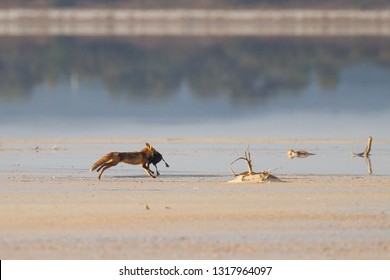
(105, 166)
(101, 166)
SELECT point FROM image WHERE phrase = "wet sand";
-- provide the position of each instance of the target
(75, 216)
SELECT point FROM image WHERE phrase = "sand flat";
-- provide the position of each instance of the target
(194, 217)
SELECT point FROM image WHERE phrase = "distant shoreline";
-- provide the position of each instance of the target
(195, 14)
(196, 22)
(5, 141)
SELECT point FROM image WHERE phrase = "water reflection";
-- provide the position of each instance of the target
(247, 70)
(369, 167)
(273, 84)
(368, 164)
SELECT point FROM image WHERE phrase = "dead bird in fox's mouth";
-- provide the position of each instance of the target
(299, 154)
(156, 158)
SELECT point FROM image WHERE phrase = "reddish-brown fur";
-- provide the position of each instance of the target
(142, 157)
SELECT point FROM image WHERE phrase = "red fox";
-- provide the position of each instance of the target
(142, 157)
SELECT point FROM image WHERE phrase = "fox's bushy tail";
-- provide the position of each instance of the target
(100, 162)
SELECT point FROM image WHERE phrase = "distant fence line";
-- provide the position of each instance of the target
(114, 22)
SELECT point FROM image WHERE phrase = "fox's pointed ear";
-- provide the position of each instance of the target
(149, 146)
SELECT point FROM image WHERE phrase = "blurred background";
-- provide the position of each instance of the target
(244, 72)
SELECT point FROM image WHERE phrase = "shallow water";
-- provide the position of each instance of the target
(195, 159)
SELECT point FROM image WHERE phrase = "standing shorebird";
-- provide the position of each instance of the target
(367, 151)
(366, 155)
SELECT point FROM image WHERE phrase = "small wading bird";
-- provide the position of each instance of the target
(299, 154)
(366, 155)
(144, 157)
(367, 151)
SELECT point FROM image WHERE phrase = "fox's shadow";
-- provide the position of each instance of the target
(170, 176)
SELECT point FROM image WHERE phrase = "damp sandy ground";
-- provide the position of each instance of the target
(48, 213)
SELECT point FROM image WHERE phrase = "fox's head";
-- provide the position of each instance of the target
(150, 148)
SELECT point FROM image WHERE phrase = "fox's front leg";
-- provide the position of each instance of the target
(148, 167)
(148, 171)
